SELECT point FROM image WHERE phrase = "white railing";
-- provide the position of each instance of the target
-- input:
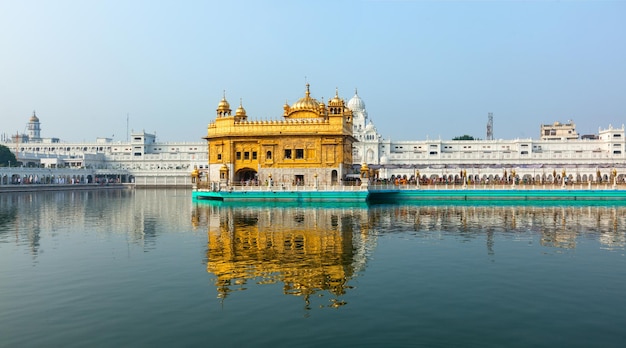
(279, 187)
(443, 187)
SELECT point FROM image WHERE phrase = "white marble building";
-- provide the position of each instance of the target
(558, 152)
(142, 160)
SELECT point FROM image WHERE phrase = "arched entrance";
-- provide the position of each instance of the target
(246, 176)
(333, 177)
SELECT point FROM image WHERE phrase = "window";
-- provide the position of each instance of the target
(253, 155)
(238, 155)
(299, 153)
(288, 153)
(246, 155)
(219, 156)
(268, 155)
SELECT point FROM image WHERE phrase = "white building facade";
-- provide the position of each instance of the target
(558, 155)
(142, 160)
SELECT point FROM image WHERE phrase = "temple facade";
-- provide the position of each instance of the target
(312, 143)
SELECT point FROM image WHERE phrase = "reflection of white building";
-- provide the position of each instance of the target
(558, 150)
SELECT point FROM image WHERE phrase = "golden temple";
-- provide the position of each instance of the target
(312, 143)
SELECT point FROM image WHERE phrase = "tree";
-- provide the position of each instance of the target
(6, 157)
(464, 137)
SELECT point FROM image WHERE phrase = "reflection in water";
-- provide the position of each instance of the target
(313, 249)
(557, 226)
(309, 250)
(31, 216)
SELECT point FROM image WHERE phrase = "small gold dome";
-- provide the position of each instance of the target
(241, 112)
(223, 105)
(223, 108)
(336, 101)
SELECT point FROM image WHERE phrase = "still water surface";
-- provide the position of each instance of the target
(151, 268)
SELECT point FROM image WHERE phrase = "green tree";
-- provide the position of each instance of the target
(464, 137)
(6, 157)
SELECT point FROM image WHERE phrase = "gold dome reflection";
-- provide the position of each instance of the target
(308, 250)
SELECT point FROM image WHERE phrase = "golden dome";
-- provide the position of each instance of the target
(336, 101)
(33, 118)
(306, 102)
(223, 108)
(241, 112)
(223, 105)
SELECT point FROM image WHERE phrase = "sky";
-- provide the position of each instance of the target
(424, 69)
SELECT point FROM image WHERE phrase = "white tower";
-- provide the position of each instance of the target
(366, 150)
(34, 130)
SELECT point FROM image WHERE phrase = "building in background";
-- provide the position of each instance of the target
(142, 160)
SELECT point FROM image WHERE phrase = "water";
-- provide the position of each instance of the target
(152, 268)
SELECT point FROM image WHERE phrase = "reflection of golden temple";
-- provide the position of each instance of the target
(311, 250)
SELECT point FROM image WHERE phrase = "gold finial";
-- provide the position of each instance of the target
(307, 93)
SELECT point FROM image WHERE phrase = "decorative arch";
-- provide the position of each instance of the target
(246, 175)
(370, 155)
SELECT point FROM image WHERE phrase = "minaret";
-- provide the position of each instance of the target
(34, 131)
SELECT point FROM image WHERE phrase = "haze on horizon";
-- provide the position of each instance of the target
(424, 69)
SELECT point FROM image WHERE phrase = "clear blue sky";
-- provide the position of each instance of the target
(424, 68)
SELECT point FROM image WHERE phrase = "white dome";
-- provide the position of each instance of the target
(356, 103)
(369, 127)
